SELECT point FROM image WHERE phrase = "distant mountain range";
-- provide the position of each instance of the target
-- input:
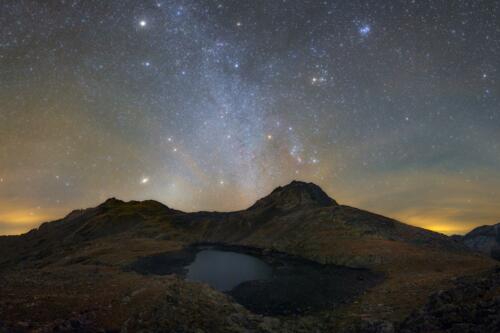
(72, 271)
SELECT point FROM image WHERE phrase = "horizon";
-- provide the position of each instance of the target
(389, 107)
(37, 224)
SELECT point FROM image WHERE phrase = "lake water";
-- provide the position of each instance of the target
(224, 270)
(287, 286)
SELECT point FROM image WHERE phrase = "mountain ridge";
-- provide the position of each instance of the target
(294, 195)
(286, 219)
(88, 250)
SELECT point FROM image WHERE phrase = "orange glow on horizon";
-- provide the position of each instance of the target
(21, 221)
(442, 224)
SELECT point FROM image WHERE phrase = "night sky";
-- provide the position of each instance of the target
(389, 106)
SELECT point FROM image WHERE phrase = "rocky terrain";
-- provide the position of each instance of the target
(73, 274)
(472, 305)
(485, 239)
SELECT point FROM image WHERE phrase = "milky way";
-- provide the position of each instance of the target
(391, 106)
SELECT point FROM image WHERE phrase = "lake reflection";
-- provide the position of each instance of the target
(224, 270)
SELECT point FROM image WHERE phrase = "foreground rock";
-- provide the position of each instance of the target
(472, 305)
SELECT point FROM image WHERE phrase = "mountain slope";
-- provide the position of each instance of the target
(485, 239)
(89, 249)
(301, 219)
(298, 218)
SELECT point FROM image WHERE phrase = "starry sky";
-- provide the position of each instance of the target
(390, 106)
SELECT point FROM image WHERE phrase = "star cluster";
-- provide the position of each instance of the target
(391, 106)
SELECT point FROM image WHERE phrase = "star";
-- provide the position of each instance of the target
(318, 80)
(365, 30)
(274, 86)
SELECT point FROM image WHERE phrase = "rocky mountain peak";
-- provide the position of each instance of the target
(111, 202)
(295, 194)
